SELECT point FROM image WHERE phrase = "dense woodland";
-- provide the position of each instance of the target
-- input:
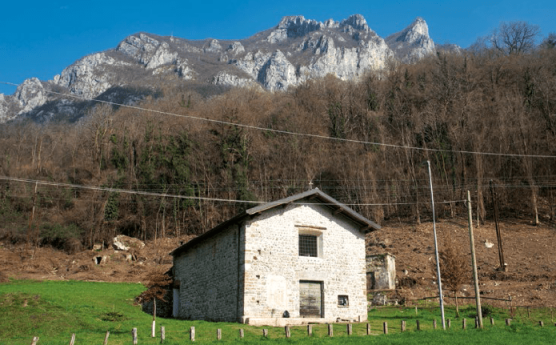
(444, 108)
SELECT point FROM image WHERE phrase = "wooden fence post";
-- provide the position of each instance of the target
(265, 333)
(162, 334)
(508, 322)
(349, 329)
(134, 335)
(416, 310)
(218, 334)
(72, 341)
(448, 323)
(35, 340)
(309, 330)
(541, 323)
(153, 329)
(192, 333)
(330, 330)
(418, 325)
(491, 321)
(434, 324)
(403, 326)
(464, 323)
(528, 312)
(241, 334)
(476, 322)
(368, 329)
(288, 332)
(385, 327)
(106, 338)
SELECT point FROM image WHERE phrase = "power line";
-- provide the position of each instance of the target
(289, 132)
(165, 195)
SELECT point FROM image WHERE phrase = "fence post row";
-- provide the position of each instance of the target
(35, 340)
(418, 325)
(448, 323)
(219, 334)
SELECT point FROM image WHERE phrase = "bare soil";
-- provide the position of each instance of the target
(529, 251)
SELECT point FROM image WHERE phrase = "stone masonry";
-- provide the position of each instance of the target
(250, 270)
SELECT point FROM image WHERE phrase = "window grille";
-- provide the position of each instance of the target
(343, 301)
(308, 245)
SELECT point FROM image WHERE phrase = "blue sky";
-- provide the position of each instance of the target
(40, 38)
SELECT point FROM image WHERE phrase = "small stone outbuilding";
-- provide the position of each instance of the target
(293, 261)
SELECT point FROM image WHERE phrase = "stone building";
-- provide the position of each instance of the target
(293, 261)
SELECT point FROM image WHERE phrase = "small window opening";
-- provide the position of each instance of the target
(308, 245)
(343, 301)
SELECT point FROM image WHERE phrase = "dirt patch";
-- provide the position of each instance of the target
(530, 278)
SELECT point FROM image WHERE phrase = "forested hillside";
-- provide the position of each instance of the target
(450, 109)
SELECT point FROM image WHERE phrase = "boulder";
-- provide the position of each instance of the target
(125, 243)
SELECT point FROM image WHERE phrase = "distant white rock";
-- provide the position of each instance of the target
(30, 94)
(226, 79)
(412, 43)
(88, 76)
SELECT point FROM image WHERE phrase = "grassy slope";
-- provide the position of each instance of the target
(58, 308)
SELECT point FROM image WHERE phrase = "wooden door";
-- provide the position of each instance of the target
(310, 299)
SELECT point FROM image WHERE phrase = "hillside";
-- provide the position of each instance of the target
(530, 278)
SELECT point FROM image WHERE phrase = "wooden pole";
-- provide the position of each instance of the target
(491, 321)
(508, 322)
(416, 310)
(448, 323)
(265, 333)
(418, 325)
(541, 323)
(219, 334)
(192, 333)
(309, 330)
(349, 329)
(153, 329)
(385, 327)
(288, 332)
(368, 329)
(474, 261)
(498, 234)
(72, 341)
(330, 330)
(162, 334)
(528, 312)
(438, 278)
(106, 338)
(35, 340)
(241, 333)
(403, 326)
(134, 335)
(464, 323)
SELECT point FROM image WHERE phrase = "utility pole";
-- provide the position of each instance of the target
(439, 280)
(474, 261)
(498, 235)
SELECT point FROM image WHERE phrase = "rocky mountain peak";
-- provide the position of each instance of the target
(413, 42)
(357, 22)
(291, 27)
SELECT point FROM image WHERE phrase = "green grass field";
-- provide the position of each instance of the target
(56, 309)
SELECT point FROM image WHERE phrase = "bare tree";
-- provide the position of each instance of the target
(549, 41)
(455, 270)
(515, 37)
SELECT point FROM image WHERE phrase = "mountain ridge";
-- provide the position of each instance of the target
(295, 50)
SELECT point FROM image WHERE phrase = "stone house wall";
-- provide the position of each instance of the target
(274, 269)
(210, 278)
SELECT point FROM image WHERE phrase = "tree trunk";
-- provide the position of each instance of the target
(457, 306)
